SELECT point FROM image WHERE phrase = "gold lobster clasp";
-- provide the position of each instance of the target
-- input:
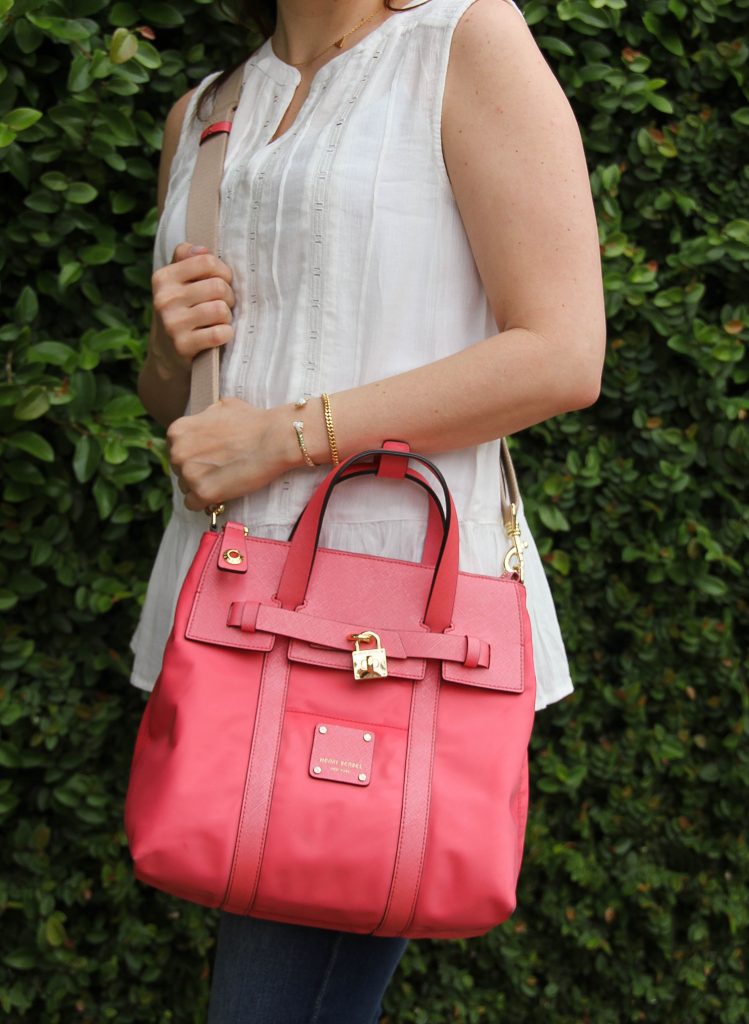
(214, 511)
(514, 559)
(371, 664)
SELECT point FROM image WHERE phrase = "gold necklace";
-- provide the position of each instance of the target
(336, 42)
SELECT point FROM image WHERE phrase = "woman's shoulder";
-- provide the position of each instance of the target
(450, 12)
(176, 118)
(496, 72)
(173, 128)
(478, 43)
(489, 26)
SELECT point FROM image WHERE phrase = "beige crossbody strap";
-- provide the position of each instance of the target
(203, 219)
(202, 229)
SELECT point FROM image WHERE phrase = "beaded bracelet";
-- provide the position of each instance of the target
(298, 426)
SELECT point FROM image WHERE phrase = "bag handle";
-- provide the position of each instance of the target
(303, 547)
(435, 516)
(202, 229)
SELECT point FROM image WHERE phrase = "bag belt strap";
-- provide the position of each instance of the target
(254, 617)
(258, 788)
(417, 790)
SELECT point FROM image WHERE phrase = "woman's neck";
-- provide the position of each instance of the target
(305, 27)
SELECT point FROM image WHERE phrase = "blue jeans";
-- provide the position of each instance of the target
(270, 973)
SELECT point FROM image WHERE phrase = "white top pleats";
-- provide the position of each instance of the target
(350, 263)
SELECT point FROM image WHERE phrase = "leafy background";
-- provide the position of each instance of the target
(633, 899)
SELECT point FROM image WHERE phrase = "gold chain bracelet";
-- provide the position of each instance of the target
(329, 428)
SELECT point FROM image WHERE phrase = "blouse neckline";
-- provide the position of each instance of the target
(266, 59)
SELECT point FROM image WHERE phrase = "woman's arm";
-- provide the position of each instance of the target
(514, 156)
(517, 168)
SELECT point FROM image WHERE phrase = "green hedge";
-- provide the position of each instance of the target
(634, 890)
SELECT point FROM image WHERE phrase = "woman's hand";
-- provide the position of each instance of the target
(193, 302)
(231, 449)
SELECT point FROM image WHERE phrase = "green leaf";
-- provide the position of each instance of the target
(55, 353)
(105, 495)
(121, 126)
(21, 960)
(123, 14)
(34, 444)
(560, 562)
(101, 65)
(122, 202)
(6, 135)
(80, 75)
(651, 23)
(81, 192)
(162, 14)
(66, 30)
(712, 585)
(32, 405)
(114, 451)
(660, 103)
(54, 930)
(56, 181)
(534, 12)
(86, 458)
(672, 43)
(553, 518)
(43, 202)
(741, 117)
(27, 306)
(738, 230)
(28, 37)
(95, 255)
(69, 274)
(148, 55)
(122, 410)
(556, 46)
(21, 118)
(124, 45)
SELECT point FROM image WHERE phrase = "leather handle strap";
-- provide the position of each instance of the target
(203, 220)
(300, 559)
(202, 229)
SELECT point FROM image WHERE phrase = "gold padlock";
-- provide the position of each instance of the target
(371, 664)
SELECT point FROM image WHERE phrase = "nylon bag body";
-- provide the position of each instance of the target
(268, 780)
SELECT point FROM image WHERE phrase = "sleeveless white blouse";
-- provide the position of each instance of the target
(350, 263)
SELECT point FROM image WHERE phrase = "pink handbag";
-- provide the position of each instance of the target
(337, 739)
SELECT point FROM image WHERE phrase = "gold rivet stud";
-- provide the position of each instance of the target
(233, 557)
(317, 769)
(367, 737)
(362, 777)
(323, 729)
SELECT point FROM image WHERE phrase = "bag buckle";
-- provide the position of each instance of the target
(370, 664)
(515, 559)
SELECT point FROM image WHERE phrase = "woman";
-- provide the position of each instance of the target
(406, 224)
